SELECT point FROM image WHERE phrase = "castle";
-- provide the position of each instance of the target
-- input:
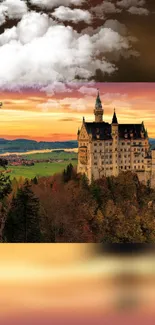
(107, 149)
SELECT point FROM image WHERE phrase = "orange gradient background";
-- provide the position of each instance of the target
(52, 284)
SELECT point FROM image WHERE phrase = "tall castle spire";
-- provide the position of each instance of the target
(98, 111)
(114, 119)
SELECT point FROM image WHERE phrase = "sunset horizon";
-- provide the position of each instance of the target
(54, 113)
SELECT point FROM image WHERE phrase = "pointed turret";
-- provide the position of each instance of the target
(98, 111)
(114, 119)
(98, 101)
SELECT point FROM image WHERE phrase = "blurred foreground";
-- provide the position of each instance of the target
(73, 283)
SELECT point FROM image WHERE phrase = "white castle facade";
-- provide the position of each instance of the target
(107, 149)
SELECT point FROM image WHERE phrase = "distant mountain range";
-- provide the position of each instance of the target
(23, 145)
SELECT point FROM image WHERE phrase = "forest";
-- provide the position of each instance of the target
(65, 208)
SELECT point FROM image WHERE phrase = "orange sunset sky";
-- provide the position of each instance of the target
(55, 112)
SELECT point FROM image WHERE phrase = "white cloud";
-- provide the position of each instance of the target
(116, 26)
(49, 4)
(87, 90)
(31, 26)
(138, 11)
(105, 8)
(56, 87)
(3, 10)
(50, 104)
(39, 52)
(9, 34)
(14, 9)
(130, 3)
(75, 15)
(74, 104)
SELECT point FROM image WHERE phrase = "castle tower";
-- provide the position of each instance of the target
(114, 133)
(153, 170)
(98, 111)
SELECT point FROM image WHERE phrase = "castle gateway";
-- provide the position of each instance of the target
(107, 149)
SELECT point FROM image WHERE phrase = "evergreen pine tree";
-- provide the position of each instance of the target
(35, 180)
(68, 173)
(22, 222)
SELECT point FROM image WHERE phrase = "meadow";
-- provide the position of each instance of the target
(64, 155)
(39, 169)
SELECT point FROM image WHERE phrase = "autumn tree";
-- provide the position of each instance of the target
(5, 189)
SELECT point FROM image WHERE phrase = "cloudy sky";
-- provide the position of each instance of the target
(55, 112)
(42, 41)
(54, 54)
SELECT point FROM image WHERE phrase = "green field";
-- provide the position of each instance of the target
(39, 169)
(51, 155)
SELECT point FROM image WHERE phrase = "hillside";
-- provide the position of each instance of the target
(110, 210)
(23, 145)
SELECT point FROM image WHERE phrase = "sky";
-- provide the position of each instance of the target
(42, 41)
(55, 112)
(71, 284)
(51, 52)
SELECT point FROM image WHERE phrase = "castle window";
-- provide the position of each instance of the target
(115, 149)
(102, 162)
(123, 143)
(129, 156)
(111, 168)
(142, 167)
(124, 149)
(142, 161)
(95, 164)
(95, 144)
(110, 156)
(134, 149)
(95, 150)
(142, 149)
(110, 143)
(125, 167)
(134, 167)
(100, 144)
(102, 157)
(128, 143)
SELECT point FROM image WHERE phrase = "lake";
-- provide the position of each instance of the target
(37, 151)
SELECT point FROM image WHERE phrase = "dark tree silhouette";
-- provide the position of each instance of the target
(22, 222)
